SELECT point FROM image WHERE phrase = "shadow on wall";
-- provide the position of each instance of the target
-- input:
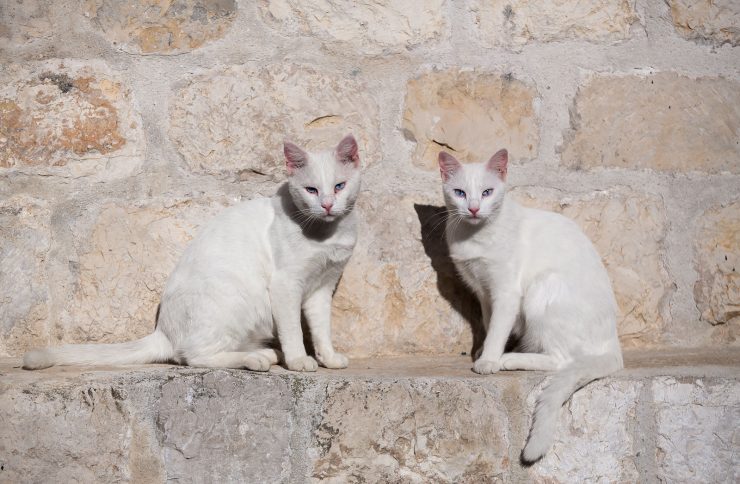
(449, 284)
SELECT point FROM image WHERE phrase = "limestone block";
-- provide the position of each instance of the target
(24, 246)
(411, 431)
(698, 435)
(161, 27)
(663, 122)
(715, 21)
(233, 121)
(24, 22)
(68, 118)
(628, 230)
(372, 28)
(717, 289)
(594, 436)
(515, 23)
(470, 114)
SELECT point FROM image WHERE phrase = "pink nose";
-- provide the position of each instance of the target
(474, 211)
(327, 206)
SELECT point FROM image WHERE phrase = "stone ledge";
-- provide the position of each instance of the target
(668, 415)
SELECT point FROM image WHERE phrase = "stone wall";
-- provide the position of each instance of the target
(125, 125)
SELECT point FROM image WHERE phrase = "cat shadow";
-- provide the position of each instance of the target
(450, 286)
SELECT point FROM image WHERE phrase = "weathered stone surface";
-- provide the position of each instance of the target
(411, 431)
(123, 262)
(717, 290)
(663, 121)
(24, 22)
(162, 27)
(716, 21)
(372, 28)
(469, 114)
(517, 22)
(24, 248)
(399, 293)
(698, 436)
(67, 118)
(594, 436)
(628, 230)
(234, 120)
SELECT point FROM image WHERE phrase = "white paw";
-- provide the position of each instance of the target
(303, 363)
(335, 360)
(486, 367)
(256, 362)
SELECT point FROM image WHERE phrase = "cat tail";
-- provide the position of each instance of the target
(560, 388)
(154, 348)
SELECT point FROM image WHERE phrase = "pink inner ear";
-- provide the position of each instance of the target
(499, 163)
(448, 165)
(295, 157)
(347, 150)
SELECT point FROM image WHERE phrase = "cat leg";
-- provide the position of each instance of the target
(485, 307)
(272, 355)
(317, 309)
(285, 298)
(529, 361)
(499, 329)
(251, 360)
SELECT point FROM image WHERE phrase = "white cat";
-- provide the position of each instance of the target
(538, 277)
(248, 274)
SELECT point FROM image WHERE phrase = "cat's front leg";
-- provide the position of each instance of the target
(285, 299)
(500, 326)
(317, 309)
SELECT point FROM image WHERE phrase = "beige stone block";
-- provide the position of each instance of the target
(233, 121)
(717, 263)
(663, 121)
(411, 431)
(471, 115)
(25, 22)
(161, 27)
(518, 22)
(25, 241)
(68, 118)
(372, 28)
(715, 21)
(628, 230)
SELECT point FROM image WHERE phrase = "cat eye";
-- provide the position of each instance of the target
(339, 187)
(459, 193)
(487, 192)
(312, 190)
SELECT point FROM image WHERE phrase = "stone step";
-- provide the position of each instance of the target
(669, 416)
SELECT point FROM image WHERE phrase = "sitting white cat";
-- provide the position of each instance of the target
(538, 277)
(248, 274)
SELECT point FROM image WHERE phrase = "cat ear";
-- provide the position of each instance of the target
(347, 151)
(448, 165)
(498, 163)
(295, 158)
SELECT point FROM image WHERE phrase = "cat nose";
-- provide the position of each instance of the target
(473, 210)
(326, 205)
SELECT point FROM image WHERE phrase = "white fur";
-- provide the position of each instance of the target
(247, 277)
(537, 276)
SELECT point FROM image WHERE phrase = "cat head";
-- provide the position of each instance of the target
(324, 185)
(474, 192)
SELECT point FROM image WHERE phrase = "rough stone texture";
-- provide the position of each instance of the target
(24, 247)
(234, 120)
(463, 111)
(518, 22)
(717, 290)
(628, 230)
(158, 26)
(716, 21)
(24, 22)
(372, 28)
(663, 121)
(411, 432)
(67, 118)
(122, 262)
(698, 436)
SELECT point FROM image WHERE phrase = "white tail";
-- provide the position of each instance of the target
(154, 348)
(563, 384)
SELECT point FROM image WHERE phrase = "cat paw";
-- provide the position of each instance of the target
(256, 362)
(303, 363)
(335, 361)
(486, 367)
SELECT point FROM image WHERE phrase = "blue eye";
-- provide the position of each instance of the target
(488, 192)
(459, 193)
(312, 190)
(339, 187)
